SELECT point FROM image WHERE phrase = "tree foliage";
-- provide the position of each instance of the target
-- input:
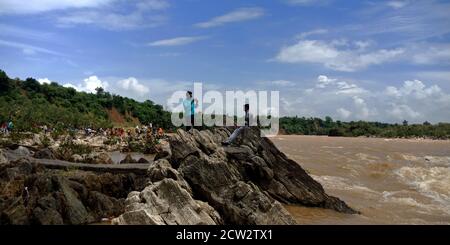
(317, 126)
(30, 104)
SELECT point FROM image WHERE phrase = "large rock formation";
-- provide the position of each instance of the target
(31, 194)
(245, 184)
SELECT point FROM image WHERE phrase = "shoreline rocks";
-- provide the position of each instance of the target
(31, 194)
(244, 184)
(193, 180)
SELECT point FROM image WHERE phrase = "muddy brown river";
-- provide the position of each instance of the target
(391, 181)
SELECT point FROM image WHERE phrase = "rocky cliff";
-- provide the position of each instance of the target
(197, 181)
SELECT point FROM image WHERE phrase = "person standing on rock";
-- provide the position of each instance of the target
(189, 105)
(239, 130)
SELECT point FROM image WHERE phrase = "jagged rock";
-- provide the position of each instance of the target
(22, 151)
(104, 206)
(37, 139)
(45, 213)
(74, 210)
(128, 159)
(142, 160)
(15, 214)
(76, 158)
(161, 169)
(163, 151)
(238, 202)
(44, 154)
(98, 158)
(3, 158)
(166, 202)
(32, 194)
(256, 167)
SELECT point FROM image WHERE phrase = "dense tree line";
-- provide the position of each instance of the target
(30, 104)
(317, 126)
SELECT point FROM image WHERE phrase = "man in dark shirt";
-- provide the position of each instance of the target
(238, 131)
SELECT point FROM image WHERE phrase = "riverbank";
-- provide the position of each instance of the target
(192, 180)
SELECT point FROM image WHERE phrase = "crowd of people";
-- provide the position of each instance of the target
(6, 127)
(124, 132)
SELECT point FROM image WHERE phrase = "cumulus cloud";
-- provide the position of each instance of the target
(89, 85)
(343, 113)
(238, 15)
(415, 88)
(347, 99)
(133, 85)
(338, 86)
(323, 81)
(401, 112)
(331, 55)
(177, 41)
(44, 81)
(361, 107)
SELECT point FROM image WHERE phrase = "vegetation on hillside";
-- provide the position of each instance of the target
(30, 104)
(317, 126)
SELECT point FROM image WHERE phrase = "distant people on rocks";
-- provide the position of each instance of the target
(45, 129)
(239, 130)
(9, 127)
(160, 133)
(189, 105)
(4, 128)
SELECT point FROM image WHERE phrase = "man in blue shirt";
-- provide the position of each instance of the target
(189, 105)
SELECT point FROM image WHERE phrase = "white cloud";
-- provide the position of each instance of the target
(346, 99)
(110, 20)
(331, 56)
(415, 88)
(435, 76)
(343, 113)
(307, 2)
(133, 85)
(283, 83)
(402, 112)
(69, 85)
(338, 87)
(153, 5)
(28, 49)
(177, 41)
(397, 4)
(38, 6)
(89, 85)
(107, 14)
(361, 107)
(312, 33)
(238, 15)
(323, 81)
(429, 54)
(44, 81)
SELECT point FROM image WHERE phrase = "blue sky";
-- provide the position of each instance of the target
(352, 60)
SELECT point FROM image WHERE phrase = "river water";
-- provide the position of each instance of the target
(391, 181)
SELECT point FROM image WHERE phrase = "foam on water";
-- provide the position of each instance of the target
(432, 182)
(339, 183)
